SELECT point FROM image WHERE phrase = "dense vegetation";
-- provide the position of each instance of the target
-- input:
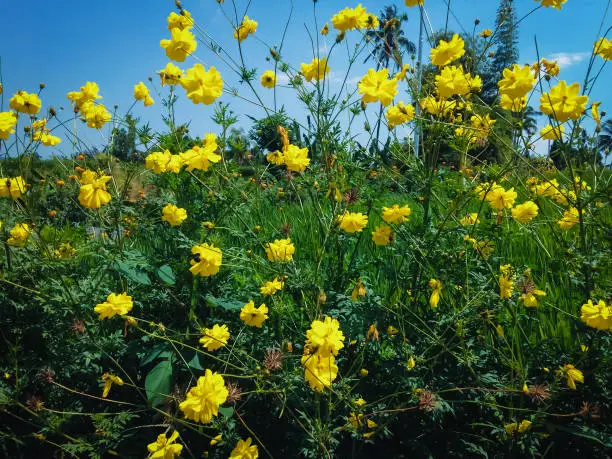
(311, 288)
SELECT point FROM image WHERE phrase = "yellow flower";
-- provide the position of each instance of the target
(482, 125)
(295, 158)
(598, 315)
(173, 214)
(280, 250)
(525, 212)
(434, 299)
(246, 28)
(268, 79)
(500, 198)
(271, 287)
(447, 51)
(109, 380)
(202, 86)
(8, 121)
(182, 44)
(215, 338)
(382, 235)
(216, 440)
(141, 92)
(315, 70)
(206, 260)
(355, 420)
(353, 222)
(12, 187)
(165, 448)
(396, 214)
(517, 81)
(46, 139)
(376, 86)
(437, 106)
(203, 399)
(87, 93)
(325, 29)
(276, 158)
(486, 33)
(253, 316)
(244, 450)
(201, 157)
(19, 235)
(24, 102)
(514, 105)
(530, 299)
(412, 3)
(515, 427)
(572, 374)
(171, 74)
(325, 337)
(95, 115)
(549, 132)
(564, 102)
(354, 18)
(570, 218)
(603, 48)
(180, 21)
(401, 75)
(399, 114)
(158, 161)
(115, 304)
(319, 371)
(363, 373)
(410, 364)
(359, 290)
(554, 3)
(470, 219)
(506, 282)
(452, 81)
(92, 193)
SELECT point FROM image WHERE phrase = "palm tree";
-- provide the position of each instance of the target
(604, 140)
(389, 42)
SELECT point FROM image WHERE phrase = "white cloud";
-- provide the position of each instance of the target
(566, 60)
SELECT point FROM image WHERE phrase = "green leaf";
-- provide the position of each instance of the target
(195, 362)
(161, 350)
(135, 275)
(166, 274)
(226, 411)
(157, 382)
(225, 303)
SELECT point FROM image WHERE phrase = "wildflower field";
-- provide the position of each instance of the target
(390, 269)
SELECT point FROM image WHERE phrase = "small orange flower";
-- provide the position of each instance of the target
(52, 213)
(60, 182)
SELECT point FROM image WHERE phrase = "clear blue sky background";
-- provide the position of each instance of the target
(116, 43)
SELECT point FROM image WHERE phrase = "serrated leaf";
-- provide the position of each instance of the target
(166, 274)
(157, 382)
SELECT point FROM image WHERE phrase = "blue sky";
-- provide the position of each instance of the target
(116, 44)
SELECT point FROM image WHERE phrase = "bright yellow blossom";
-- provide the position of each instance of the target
(246, 28)
(396, 214)
(525, 212)
(382, 235)
(244, 450)
(353, 222)
(202, 86)
(598, 315)
(24, 102)
(215, 338)
(271, 287)
(572, 374)
(115, 304)
(203, 399)
(165, 448)
(8, 121)
(280, 250)
(182, 44)
(173, 214)
(376, 86)
(563, 102)
(19, 235)
(253, 316)
(325, 337)
(447, 51)
(206, 260)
